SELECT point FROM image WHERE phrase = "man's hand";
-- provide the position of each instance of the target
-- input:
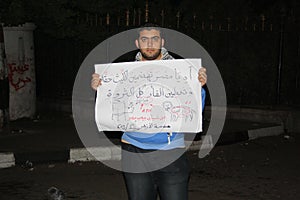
(202, 77)
(96, 81)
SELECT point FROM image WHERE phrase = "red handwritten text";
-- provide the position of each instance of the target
(15, 71)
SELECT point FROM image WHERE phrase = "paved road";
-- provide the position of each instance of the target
(265, 168)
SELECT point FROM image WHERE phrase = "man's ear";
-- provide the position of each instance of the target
(137, 44)
(162, 42)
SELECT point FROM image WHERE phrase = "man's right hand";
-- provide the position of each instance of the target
(96, 81)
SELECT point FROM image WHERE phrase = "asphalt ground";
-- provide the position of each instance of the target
(264, 168)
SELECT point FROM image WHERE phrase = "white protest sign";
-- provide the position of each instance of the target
(149, 96)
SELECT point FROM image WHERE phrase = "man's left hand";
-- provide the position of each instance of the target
(202, 76)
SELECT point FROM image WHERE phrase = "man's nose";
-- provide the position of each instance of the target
(150, 43)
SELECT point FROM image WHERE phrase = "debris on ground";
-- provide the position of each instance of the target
(54, 193)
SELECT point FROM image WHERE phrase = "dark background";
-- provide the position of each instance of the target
(255, 43)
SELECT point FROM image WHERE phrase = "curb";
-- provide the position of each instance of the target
(10, 159)
(264, 132)
(7, 160)
(95, 154)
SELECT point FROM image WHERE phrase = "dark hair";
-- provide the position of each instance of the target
(148, 27)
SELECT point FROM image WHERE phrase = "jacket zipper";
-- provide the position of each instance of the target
(169, 137)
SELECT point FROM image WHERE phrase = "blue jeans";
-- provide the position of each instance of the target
(170, 182)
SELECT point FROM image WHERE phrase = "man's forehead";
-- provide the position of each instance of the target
(150, 33)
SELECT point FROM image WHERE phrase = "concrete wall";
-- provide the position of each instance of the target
(19, 50)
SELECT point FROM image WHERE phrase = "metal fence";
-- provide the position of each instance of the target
(258, 57)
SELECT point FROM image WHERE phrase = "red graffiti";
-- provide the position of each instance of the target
(18, 70)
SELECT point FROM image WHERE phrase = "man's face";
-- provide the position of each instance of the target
(150, 43)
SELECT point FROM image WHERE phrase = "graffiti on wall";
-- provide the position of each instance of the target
(17, 71)
(16, 75)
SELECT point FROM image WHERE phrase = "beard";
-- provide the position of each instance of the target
(150, 56)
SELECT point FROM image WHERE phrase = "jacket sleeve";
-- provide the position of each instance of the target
(203, 95)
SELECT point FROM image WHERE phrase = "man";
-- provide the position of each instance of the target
(171, 181)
